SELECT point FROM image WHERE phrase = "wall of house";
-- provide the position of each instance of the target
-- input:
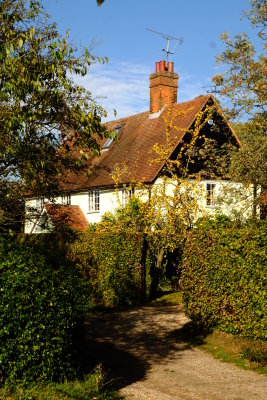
(228, 198)
(109, 201)
(203, 198)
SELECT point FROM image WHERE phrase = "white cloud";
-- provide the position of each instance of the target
(124, 86)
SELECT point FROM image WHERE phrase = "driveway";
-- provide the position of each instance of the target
(144, 358)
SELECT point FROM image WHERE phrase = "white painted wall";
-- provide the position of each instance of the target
(232, 199)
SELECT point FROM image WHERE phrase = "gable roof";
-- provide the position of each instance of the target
(134, 147)
(67, 215)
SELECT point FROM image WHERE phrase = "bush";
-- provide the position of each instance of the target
(224, 278)
(112, 263)
(41, 305)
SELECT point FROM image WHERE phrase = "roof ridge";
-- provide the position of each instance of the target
(196, 99)
(147, 112)
(123, 118)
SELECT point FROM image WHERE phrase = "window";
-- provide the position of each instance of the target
(65, 198)
(109, 141)
(210, 194)
(127, 194)
(39, 204)
(93, 201)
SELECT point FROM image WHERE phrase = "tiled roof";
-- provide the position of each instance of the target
(133, 149)
(68, 215)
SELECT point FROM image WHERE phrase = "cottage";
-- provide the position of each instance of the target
(131, 152)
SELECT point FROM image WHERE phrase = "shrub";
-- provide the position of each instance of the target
(40, 307)
(224, 278)
(112, 263)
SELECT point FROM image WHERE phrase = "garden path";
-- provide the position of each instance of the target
(146, 360)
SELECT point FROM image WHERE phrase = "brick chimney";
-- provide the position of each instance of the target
(163, 86)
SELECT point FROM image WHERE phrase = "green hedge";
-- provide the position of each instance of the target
(224, 278)
(112, 262)
(41, 304)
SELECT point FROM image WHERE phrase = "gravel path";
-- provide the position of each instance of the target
(145, 360)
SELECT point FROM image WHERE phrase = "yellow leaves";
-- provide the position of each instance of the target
(31, 32)
(20, 43)
(224, 36)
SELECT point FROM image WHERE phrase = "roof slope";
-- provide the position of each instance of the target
(67, 215)
(134, 147)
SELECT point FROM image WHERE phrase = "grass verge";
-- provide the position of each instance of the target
(93, 387)
(245, 353)
(169, 298)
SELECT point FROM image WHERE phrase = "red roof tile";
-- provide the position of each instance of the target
(133, 148)
(68, 215)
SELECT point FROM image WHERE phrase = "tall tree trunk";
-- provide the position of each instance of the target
(155, 273)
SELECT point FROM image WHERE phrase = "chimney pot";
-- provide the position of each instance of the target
(162, 65)
(157, 67)
(170, 66)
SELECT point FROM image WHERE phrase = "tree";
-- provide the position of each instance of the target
(249, 163)
(40, 106)
(244, 84)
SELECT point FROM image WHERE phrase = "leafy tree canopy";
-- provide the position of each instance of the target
(249, 164)
(40, 105)
(244, 82)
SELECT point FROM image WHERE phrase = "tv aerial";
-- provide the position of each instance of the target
(212, 89)
(168, 38)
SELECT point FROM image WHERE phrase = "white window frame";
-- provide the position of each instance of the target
(126, 195)
(66, 199)
(93, 201)
(39, 203)
(210, 194)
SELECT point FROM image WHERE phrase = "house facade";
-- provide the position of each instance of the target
(136, 155)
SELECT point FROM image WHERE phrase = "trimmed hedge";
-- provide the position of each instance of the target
(224, 278)
(112, 263)
(41, 304)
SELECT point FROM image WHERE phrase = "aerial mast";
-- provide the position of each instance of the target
(168, 38)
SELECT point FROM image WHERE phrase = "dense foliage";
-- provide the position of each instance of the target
(244, 81)
(129, 252)
(112, 264)
(41, 305)
(40, 106)
(244, 84)
(224, 278)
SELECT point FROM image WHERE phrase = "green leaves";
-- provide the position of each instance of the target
(224, 278)
(244, 82)
(113, 270)
(41, 302)
(38, 100)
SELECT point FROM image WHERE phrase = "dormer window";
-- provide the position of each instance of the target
(109, 141)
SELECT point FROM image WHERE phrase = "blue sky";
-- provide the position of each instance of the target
(119, 30)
